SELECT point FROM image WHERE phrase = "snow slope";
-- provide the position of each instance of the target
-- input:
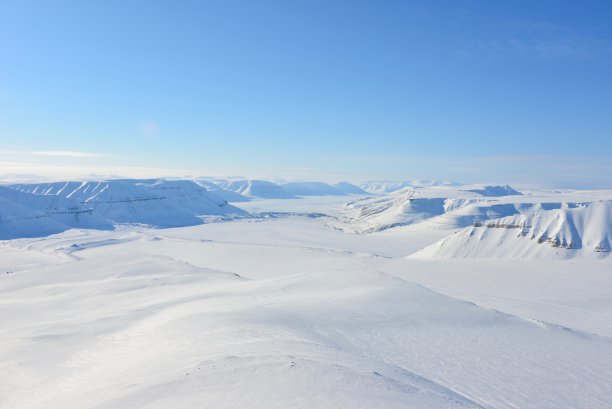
(29, 215)
(225, 194)
(191, 196)
(158, 203)
(253, 188)
(20, 221)
(385, 212)
(350, 189)
(273, 314)
(442, 207)
(573, 230)
(495, 191)
(383, 187)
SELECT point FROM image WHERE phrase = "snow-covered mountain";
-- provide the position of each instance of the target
(192, 197)
(30, 215)
(312, 189)
(496, 191)
(442, 206)
(17, 220)
(101, 204)
(572, 230)
(255, 188)
(390, 211)
(225, 194)
(383, 187)
(350, 189)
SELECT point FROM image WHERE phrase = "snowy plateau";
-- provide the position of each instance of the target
(238, 293)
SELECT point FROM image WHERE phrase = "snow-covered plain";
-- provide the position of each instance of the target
(313, 303)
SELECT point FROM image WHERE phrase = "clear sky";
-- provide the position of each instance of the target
(473, 91)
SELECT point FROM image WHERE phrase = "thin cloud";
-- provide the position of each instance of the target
(69, 154)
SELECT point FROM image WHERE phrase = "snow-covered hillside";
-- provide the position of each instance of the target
(284, 313)
(253, 188)
(573, 230)
(383, 187)
(442, 206)
(101, 204)
(496, 191)
(225, 194)
(350, 189)
(311, 189)
(29, 215)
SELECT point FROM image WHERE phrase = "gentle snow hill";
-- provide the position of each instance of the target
(158, 203)
(350, 189)
(199, 316)
(225, 194)
(255, 188)
(570, 231)
(311, 189)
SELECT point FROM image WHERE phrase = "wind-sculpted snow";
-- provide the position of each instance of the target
(100, 205)
(571, 230)
(282, 313)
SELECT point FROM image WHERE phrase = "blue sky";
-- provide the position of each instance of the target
(473, 91)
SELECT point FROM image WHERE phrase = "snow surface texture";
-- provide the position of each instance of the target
(41, 209)
(288, 313)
